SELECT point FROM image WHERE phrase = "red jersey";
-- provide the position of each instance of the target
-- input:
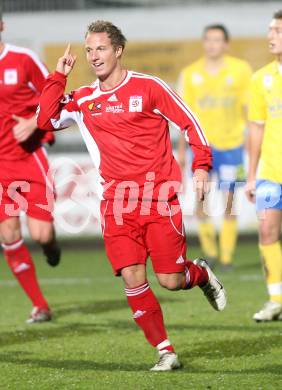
(22, 77)
(126, 130)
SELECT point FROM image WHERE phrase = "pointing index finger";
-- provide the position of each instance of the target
(67, 51)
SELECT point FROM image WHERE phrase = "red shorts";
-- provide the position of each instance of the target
(24, 186)
(132, 236)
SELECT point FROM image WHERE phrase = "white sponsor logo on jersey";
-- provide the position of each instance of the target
(180, 260)
(135, 104)
(113, 98)
(10, 76)
(115, 109)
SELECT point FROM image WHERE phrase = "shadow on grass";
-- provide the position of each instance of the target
(22, 358)
(52, 330)
(233, 347)
(73, 365)
(200, 328)
(89, 308)
(269, 369)
(42, 333)
(97, 307)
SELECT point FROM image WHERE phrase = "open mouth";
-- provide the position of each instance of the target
(97, 65)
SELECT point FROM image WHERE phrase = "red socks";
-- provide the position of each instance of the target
(147, 313)
(21, 264)
(194, 276)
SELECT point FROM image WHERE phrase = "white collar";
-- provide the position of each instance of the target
(127, 77)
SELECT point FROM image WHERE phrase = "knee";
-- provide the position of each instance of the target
(133, 276)
(268, 234)
(229, 206)
(228, 213)
(171, 282)
(42, 236)
(9, 234)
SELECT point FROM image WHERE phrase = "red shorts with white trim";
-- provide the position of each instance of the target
(144, 230)
(25, 186)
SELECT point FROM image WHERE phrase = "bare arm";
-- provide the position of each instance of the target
(255, 138)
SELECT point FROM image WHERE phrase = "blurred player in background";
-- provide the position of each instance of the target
(265, 143)
(24, 185)
(215, 87)
(123, 118)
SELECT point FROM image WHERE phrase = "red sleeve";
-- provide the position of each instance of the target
(56, 111)
(168, 104)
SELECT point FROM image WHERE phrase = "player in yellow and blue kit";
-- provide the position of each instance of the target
(216, 88)
(265, 146)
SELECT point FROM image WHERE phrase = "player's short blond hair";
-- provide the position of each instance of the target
(278, 14)
(114, 33)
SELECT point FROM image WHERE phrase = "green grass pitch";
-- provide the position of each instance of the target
(94, 344)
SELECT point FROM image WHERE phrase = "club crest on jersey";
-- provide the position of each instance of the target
(268, 80)
(94, 106)
(135, 104)
(197, 78)
(229, 80)
(10, 76)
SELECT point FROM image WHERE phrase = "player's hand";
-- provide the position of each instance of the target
(66, 62)
(24, 127)
(201, 183)
(250, 190)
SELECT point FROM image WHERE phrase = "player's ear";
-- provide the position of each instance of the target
(119, 51)
(1, 25)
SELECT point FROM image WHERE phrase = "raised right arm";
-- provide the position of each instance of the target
(57, 111)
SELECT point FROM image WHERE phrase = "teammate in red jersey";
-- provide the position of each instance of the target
(24, 185)
(123, 117)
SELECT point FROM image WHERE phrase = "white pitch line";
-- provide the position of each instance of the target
(53, 282)
(87, 281)
(250, 278)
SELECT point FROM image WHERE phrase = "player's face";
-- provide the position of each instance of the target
(101, 55)
(214, 43)
(275, 36)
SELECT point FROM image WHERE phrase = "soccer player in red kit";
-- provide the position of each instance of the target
(123, 117)
(24, 184)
